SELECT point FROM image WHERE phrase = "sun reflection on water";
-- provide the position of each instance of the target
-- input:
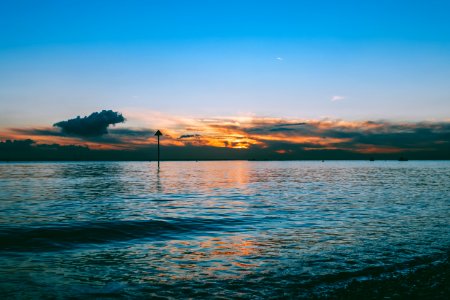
(129, 229)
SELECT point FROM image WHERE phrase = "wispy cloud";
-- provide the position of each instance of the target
(279, 58)
(337, 98)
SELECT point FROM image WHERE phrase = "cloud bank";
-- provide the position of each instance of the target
(249, 138)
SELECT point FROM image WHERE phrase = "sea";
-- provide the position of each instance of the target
(216, 229)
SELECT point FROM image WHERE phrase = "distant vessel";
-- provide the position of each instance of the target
(372, 159)
(402, 159)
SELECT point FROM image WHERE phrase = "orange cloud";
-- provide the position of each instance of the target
(246, 132)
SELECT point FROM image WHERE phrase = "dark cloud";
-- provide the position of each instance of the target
(410, 136)
(94, 125)
(291, 124)
(37, 131)
(185, 136)
(116, 136)
(281, 129)
(278, 127)
(128, 132)
(123, 136)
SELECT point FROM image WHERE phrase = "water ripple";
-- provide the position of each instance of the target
(229, 229)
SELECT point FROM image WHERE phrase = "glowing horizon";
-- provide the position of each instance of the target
(217, 72)
(249, 133)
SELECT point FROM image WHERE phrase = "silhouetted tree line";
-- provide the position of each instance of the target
(28, 150)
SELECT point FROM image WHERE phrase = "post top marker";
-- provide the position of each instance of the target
(158, 133)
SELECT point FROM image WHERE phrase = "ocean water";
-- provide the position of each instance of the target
(215, 229)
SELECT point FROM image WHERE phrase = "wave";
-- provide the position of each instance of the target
(51, 237)
(423, 277)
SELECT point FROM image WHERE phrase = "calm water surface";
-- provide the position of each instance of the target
(227, 229)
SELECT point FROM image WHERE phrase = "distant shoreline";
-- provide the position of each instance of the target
(207, 160)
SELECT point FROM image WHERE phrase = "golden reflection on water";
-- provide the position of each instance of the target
(236, 246)
(227, 256)
(213, 257)
(206, 176)
(225, 188)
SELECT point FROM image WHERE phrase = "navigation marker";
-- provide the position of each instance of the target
(158, 134)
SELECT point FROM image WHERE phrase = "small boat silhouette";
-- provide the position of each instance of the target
(402, 159)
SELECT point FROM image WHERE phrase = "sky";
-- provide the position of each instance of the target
(182, 65)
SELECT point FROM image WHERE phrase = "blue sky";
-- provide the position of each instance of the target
(289, 59)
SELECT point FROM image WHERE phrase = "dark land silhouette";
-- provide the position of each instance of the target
(28, 150)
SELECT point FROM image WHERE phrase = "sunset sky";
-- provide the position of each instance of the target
(364, 76)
